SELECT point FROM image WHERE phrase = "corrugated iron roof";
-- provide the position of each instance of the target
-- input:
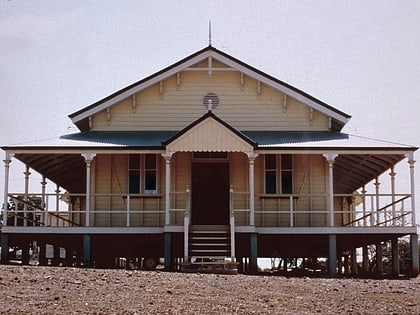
(122, 138)
(316, 139)
(263, 139)
(59, 158)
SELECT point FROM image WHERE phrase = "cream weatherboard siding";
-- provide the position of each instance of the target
(178, 106)
(109, 189)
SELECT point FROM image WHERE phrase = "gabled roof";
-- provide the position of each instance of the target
(209, 133)
(80, 118)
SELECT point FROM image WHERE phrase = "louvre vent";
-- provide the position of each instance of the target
(211, 101)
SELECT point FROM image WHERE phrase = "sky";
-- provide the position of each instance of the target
(361, 57)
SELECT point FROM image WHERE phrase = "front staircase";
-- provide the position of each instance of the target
(209, 249)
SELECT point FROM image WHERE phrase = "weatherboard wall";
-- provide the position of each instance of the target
(173, 105)
(110, 178)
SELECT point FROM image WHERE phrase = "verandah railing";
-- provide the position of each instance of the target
(106, 210)
(311, 210)
(148, 210)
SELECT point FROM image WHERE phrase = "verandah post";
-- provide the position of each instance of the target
(251, 159)
(88, 160)
(7, 161)
(330, 157)
(411, 162)
(27, 173)
(167, 156)
(43, 201)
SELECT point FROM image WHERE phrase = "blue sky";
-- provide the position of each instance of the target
(361, 57)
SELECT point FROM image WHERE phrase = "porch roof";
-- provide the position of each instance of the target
(360, 159)
(292, 140)
(319, 140)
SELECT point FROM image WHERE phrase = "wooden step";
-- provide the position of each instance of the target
(209, 243)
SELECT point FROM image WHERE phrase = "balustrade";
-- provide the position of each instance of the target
(147, 210)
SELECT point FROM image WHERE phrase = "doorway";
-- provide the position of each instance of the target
(210, 193)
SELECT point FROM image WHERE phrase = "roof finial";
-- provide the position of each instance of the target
(209, 32)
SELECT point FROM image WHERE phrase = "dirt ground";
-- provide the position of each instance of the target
(55, 290)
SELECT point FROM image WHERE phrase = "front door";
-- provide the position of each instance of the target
(210, 193)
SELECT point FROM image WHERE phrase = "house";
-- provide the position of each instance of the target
(210, 164)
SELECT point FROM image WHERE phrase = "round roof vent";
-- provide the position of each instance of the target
(211, 101)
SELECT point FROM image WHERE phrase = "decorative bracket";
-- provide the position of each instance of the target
(330, 157)
(178, 81)
(284, 103)
(88, 156)
(134, 103)
(311, 116)
(161, 89)
(108, 115)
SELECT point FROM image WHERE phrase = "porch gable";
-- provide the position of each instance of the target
(211, 134)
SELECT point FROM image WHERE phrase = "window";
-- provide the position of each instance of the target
(278, 174)
(286, 174)
(270, 174)
(142, 173)
(150, 173)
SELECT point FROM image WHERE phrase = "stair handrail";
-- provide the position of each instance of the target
(187, 221)
(232, 225)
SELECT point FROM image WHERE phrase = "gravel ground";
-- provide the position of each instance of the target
(54, 290)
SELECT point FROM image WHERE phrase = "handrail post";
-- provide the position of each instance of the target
(364, 206)
(392, 174)
(372, 207)
(232, 226)
(187, 222)
(291, 210)
(128, 210)
(402, 213)
(16, 213)
(57, 205)
(377, 184)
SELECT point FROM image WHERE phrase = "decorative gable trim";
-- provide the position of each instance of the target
(209, 134)
(80, 117)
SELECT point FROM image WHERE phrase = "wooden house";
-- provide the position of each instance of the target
(210, 162)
